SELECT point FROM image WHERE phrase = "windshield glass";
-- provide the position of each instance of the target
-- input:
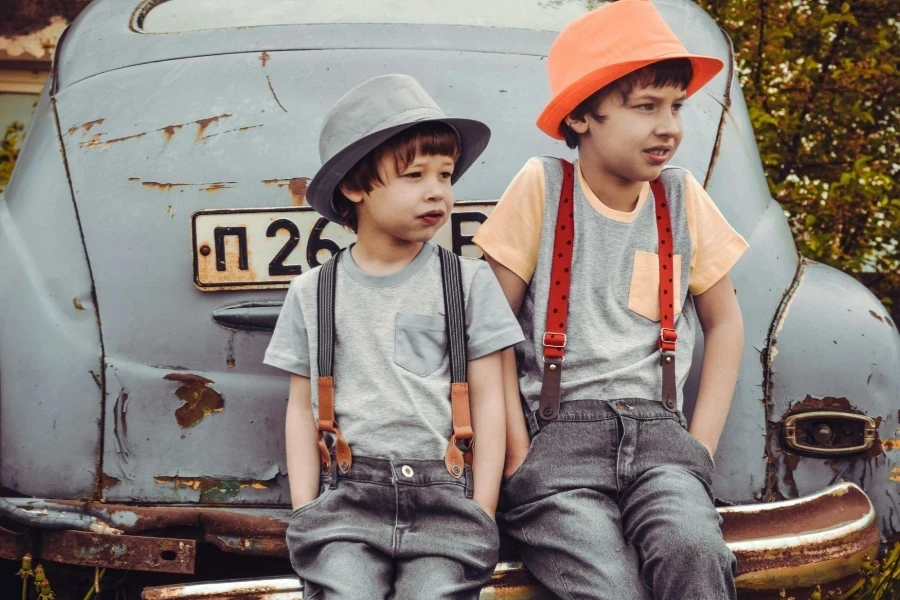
(171, 16)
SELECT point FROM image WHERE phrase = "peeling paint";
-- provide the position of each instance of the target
(86, 127)
(296, 187)
(890, 444)
(170, 130)
(876, 315)
(264, 58)
(895, 474)
(77, 304)
(220, 185)
(202, 124)
(199, 399)
(108, 481)
(213, 490)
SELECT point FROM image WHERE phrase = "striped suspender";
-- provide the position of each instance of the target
(454, 307)
(558, 298)
(455, 310)
(325, 381)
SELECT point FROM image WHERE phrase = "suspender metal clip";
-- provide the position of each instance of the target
(555, 340)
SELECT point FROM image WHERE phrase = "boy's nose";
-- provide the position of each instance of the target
(669, 126)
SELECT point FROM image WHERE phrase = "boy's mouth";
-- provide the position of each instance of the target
(432, 217)
(658, 154)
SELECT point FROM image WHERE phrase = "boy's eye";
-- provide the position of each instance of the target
(677, 107)
(645, 107)
(447, 174)
(413, 174)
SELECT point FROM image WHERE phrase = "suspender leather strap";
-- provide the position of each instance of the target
(558, 297)
(463, 437)
(325, 381)
(667, 334)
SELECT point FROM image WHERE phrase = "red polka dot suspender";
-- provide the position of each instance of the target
(555, 340)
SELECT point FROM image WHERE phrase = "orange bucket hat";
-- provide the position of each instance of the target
(606, 44)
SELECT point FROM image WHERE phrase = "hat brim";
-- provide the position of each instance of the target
(473, 135)
(551, 118)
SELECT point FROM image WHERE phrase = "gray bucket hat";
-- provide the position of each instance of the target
(368, 115)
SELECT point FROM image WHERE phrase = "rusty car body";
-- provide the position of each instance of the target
(156, 215)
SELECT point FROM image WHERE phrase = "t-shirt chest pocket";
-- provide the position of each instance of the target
(420, 342)
(643, 295)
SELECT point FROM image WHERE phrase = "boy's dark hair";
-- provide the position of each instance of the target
(428, 139)
(676, 72)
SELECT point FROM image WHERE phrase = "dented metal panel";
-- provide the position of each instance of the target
(831, 320)
(139, 553)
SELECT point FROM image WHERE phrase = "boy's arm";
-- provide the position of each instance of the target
(517, 440)
(301, 444)
(723, 330)
(489, 424)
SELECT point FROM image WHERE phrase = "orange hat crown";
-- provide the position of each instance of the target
(606, 44)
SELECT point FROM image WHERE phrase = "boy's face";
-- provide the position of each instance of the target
(638, 136)
(411, 205)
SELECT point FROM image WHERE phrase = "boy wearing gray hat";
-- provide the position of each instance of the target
(393, 349)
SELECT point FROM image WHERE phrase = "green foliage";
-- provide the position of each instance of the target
(9, 151)
(821, 82)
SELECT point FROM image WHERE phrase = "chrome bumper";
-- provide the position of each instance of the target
(787, 545)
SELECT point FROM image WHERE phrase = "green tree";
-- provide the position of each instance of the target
(9, 150)
(821, 82)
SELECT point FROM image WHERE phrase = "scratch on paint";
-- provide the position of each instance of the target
(274, 95)
(240, 129)
(168, 187)
(168, 131)
(86, 127)
(264, 58)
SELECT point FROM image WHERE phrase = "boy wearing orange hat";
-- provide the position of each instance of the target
(611, 265)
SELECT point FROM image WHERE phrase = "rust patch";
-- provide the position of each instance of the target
(86, 127)
(199, 399)
(164, 187)
(827, 403)
(108, 481)
(213, 490)
(77, 304)
(94, 141)
(219, 185)
(895, 474)
(202, 124)
(170, 130)
(890, 444)
(140, 553)
(876, 315)
(296, 187)
(109, 143)
(264, 58)
(274, 95)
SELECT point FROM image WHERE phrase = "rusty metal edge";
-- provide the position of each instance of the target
(138, 553)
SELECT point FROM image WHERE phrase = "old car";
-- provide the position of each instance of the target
(156, 216)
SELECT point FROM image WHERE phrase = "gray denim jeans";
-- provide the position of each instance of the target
(613, 501)
(404, 530)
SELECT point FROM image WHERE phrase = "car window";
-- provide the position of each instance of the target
(172, 16)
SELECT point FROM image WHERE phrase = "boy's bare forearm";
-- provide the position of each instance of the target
(301, 447)
(517, 440)
(489, 423)
(723, 331)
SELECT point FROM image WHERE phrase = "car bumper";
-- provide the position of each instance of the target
(792, 544)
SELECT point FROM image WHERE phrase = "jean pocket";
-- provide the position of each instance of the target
(420, 342)
(324, 491)
(643, 294)
(519, 468)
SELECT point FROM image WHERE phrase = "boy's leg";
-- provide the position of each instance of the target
(668, 512)
(560, 507)
(572, 543)
(344, 571)
(447, 546)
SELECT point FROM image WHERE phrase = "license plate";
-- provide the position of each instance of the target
(265, 248)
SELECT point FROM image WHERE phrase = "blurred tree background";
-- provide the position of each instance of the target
(821, 82)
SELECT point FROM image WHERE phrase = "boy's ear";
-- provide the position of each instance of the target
(576, 124)
(355, 196)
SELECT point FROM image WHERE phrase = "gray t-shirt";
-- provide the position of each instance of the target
(392, 368)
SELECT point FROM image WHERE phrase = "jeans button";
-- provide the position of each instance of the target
(407, 471)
